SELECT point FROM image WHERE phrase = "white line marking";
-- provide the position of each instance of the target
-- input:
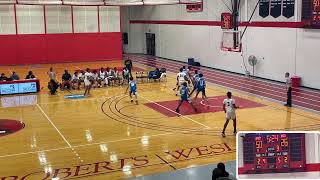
(176, 112)
(120, 140)
(83, 145)
(53, 125)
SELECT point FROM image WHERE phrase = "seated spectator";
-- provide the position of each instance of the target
(14, 76)
(66, 80)
(53, 86)
(81, 76)
(116, 76)
(102, 77)
(219, 172)
(109, 75)
(96, 78)
(30, 75)
(3, 77)
(163, 75)
(125, 75)
(76, 81)
(155, 74)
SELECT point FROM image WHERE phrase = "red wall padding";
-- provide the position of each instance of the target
(53, 48)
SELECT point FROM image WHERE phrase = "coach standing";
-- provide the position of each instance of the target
(128, 64)
(289, 89)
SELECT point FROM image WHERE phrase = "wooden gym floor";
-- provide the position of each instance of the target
(107, 137)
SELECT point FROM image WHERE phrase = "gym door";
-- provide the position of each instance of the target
(151, 44)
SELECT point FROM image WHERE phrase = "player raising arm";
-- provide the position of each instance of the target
(133, 89)
(229, 107)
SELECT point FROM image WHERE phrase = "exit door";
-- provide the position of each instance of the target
(151, 44)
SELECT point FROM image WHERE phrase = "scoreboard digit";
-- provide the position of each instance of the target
(311, 13)
(278, 152)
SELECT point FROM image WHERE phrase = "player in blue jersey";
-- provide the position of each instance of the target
(184, 93)
(201, 87)
(133, 89)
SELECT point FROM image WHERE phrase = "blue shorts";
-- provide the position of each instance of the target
(133, 92)
(202, 89)
(184, 98)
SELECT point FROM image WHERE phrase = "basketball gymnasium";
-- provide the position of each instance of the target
(159, 89)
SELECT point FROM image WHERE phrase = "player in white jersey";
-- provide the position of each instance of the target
(229, 107)
(95, 77)
(88, 79)
(180, 79)
(76, 82)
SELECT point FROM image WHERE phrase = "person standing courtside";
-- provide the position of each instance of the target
(52, 74)
(289, 89)
(128, 64)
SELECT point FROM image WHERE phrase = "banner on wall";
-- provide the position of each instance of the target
(275, 9)
(264, 8)
(288, 8)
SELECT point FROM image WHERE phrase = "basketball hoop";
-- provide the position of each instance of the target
(231, 41)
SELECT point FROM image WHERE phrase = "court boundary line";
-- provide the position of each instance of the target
(53, 125)
(186, 117)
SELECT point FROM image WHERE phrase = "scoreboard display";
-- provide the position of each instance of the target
(311, 13)
(278, 152)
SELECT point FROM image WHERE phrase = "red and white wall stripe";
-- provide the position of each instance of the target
(56, 33)
(280, 44)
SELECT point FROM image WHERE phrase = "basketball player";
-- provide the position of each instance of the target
(184, 96)
(116, 76)
(229, 108)
(109, 74)
(95, 77)
(88, 79)
(102, 77)
(76, 80)
(133, 89)
(180, 79)
(195, 79)
(201, 87)
(125, 75)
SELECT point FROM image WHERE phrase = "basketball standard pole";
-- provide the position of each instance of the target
(245, 29)
(235, 13)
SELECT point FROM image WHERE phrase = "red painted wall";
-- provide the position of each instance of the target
(54, 48)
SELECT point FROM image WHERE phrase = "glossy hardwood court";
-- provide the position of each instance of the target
(105, 136)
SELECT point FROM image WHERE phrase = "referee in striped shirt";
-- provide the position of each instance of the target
(289, 89)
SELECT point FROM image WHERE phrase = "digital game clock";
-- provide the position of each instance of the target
(278, 152)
